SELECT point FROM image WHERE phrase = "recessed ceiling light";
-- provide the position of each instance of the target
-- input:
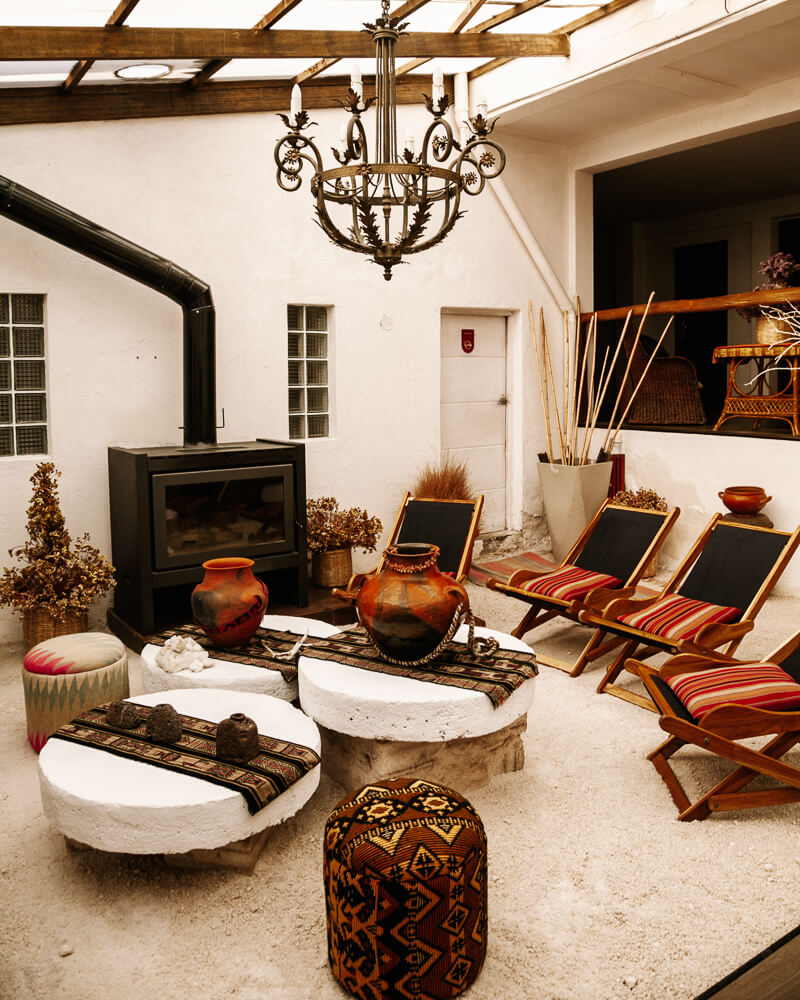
(143, 71)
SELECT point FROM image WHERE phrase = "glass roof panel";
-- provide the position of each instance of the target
(86, 13)
(33, 74)
(103, 71)
(262, 69)
(198, 13)
(550, 17)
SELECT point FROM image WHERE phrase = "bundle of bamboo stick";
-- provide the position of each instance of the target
(575, 439)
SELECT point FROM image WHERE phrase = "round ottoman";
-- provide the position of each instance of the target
(68, 674)
(405, 891)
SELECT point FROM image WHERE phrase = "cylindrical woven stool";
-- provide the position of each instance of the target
(68, 674)
(405, 891)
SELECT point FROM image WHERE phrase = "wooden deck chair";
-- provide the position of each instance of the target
(710, 601)
(452, 525)
(613, 551)
(713, 704)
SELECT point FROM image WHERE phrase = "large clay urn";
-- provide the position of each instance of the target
(229, 602)
(410, 606)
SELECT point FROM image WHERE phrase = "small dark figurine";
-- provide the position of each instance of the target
(122, 715)
(164, 724)
(237, 739)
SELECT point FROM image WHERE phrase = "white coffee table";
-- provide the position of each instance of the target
(235, 676)
(376, 725)
(99, 800)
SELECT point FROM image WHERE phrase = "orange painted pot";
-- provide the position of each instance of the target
(229, 602)
(410, 606)
(744, 499)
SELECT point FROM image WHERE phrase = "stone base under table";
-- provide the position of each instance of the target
(464, 762)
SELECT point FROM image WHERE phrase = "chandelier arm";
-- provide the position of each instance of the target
(332, 231)
(289, 154)
(436, 145)
(452, 215)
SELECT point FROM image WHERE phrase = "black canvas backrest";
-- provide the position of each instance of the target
(438, 522)
(791, 664)
(733, 565)
(619, 540)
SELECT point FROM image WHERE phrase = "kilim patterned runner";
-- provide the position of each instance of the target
(253, 653)
(260, 780)
(498, 676)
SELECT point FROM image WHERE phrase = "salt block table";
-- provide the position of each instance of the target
(376, 725)
(99, 800)
(235, 676)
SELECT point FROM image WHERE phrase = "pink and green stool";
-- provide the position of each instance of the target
(69, 674)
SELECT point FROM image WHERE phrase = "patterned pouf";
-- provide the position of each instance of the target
(68, 674)
(405, 888)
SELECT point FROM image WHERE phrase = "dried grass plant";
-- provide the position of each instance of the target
(446, 479)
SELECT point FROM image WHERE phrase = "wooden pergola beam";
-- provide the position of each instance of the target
(26, 105)
(81, 68)
(121, 43)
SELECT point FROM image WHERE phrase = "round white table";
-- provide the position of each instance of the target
(377, 725)
(234, 676)
(114, 804)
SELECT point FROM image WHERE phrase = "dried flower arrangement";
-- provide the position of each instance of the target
(642, 499)
(781, 271)
(58, 577)
(329, 527)
(447, 479)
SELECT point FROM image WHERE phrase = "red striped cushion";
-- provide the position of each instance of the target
(675, 617)
(569, 583)
(759, 685)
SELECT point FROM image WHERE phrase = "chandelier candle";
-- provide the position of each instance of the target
(384, 207)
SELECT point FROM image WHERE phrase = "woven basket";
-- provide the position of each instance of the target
(38, 625)
(771, 331)
(333, 568)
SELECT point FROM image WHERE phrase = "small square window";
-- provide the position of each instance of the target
(309, 393)
(23, 397)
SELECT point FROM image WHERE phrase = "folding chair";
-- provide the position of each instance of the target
(713, 704)
(452, 525)
(613, 551)
(710, 601)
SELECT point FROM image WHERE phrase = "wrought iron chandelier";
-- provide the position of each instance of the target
(386, 206)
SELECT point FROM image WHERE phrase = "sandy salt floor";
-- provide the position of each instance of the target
(596, 892)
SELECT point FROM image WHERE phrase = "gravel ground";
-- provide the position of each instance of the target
(596, 892)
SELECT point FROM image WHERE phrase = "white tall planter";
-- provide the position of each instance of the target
(571, 495)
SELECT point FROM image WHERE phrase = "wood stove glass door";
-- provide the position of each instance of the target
(200, 515)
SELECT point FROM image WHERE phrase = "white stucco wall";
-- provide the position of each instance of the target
(690, 470)
(202, 192)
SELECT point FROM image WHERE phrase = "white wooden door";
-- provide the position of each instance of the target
(474, 407)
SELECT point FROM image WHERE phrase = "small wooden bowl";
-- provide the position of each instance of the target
(744, 499)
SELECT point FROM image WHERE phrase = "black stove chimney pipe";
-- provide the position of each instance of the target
(193, 295)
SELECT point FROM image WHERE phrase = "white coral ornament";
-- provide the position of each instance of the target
(181, 652)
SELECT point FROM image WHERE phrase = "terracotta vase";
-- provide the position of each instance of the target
(744, 499)
(229, 602)
(409, 607)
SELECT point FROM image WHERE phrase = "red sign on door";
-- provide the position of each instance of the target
(467, 341)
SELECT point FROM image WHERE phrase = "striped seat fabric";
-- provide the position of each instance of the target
(676, 618)
(569, 583)
(757, 685)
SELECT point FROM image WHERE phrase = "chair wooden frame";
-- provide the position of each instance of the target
(602, 608)
(357, 579)
(718, 733)
(544, 609)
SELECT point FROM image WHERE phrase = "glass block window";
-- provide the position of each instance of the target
(23, 390)
(309, 371)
